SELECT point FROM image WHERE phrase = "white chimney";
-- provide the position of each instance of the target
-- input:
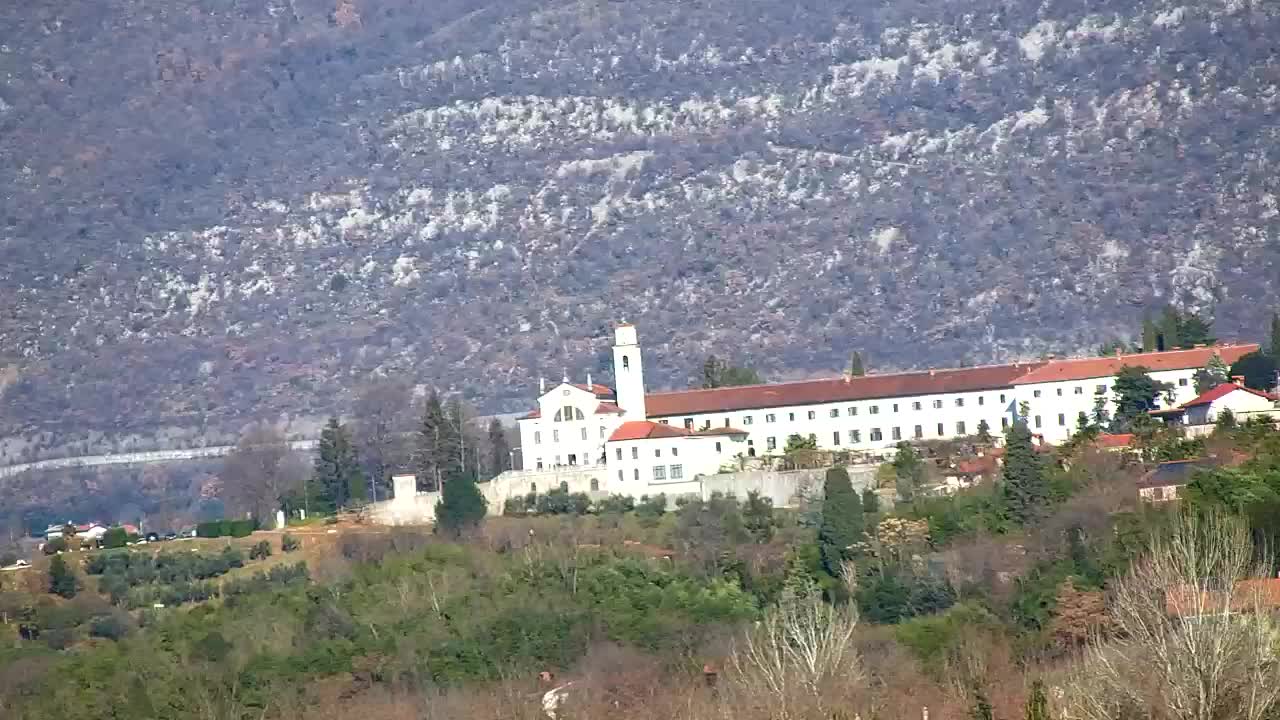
(589, 385)
(542, 385)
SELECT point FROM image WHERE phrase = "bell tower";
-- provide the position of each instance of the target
(628, 372)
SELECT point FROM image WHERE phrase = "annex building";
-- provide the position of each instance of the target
(632, 441)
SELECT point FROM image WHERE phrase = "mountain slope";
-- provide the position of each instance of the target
(222, 210)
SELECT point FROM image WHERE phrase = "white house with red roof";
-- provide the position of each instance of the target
(1200, 414)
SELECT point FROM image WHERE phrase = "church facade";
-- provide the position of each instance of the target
(642, 442)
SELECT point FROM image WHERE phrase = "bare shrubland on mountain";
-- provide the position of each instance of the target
(222, 210)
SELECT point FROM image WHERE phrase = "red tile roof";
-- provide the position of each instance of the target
(1086, 368)
(596, 389)
(1119, 440)
(841, 389)
(646, 430)
(1222, 391)
(721, 431)
(608, 408)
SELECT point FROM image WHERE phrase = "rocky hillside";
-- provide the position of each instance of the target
(222, 209)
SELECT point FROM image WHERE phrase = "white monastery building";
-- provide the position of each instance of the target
(643, 443)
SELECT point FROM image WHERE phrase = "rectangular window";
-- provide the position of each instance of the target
(896, 433)
(675, 452)
(937, 404)
(852, 411)
(770, 417)
(636, 473)
(855, 437)
(875, 410)
(635, 453)
(959, 402)
(1059, 392)
(895, 407)
(813, 415)
(621, 477)
(726, 422)
(1182, 382)
(835, 438)
(539, 463)
(555, 436)
(1079, 390)
(717, 447)
(919, 432)
(677, 472)
(1062, 419)
(1004, 423)
(657, 452)
(746, 419)
(602, 432)
(688, 423)
(557, 461)
(960, 428)
(619, 453)
(791, 417)
(941, 431)
(1001, 398)
(1101, 390)
(537, 438)
(659, 472)
(665, 422)
(771, 443)
(875, 435)
(1037, 421)
(981, 399)
(1035, 393)
(584, 433)
(915, 405)
(835, 413)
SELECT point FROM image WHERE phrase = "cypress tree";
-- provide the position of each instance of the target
(1024, 486)
(856, 369)
(1275, 336)
(452, 445)
(427, 453)
(842, 522)
(1170, 324)
(1149, 334)
(337, 479)
(909, 470)
(499, 449)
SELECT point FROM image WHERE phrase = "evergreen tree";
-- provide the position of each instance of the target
(1025, 488)
(62, 580)
(984, 432)
(338, 478)
(1214, 373)
(1100, 417)
(908, 469)
(1037, 704)
(712, 372)
(757, 517)
(1258, 371)
(870, 502)
(461, 505)
(1149, 333)
(842, 521)
(1226, 420)
(717, 373)
(499, 449)
(1135, 395)
(1275, 336)
(856, 368)
(427, 454)
(1170, 322)
(452, 445)
(1194, 330)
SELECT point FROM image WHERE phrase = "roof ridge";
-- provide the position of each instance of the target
(843, 378)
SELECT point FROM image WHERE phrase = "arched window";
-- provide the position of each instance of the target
(577, 414)
(626, 362)
(533, 488)
(564, 486)
(559, 416)
(595, 484)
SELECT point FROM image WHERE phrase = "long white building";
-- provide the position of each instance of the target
(645, 443)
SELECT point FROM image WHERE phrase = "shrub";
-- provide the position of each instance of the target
(112, 627)
(260, 551)
(617, 504)
(62, 579)
(239, 528)
(652, 507)
(116, 537)
(515, 507)
(8, 558)
(55, 546)
(289, 543)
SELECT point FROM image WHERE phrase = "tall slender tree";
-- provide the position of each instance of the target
(338, 480)
(499, 449)
(427, 456)
(856, 368)
(842, 521)
(1170, 323)
(1275, 336)
(1150, 336)
(1214, 373)
(455, 458)
(908, 468)
(1025, 489)
(461, 508)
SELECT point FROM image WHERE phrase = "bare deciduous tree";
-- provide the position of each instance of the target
(261, 473)
(383, 430)
(1194, 638)
(800, 658)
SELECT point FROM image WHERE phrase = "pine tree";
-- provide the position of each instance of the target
(1135, 394)
(1037, 703)
(1149, 334)
(499, 449)
(461, 505)
(427, 453)
(1024, 486)
(338, 478)
(1170, 323)
(1215, 373)
(62, 580)
(757, 517)
(842, 521)
(452, 446)
(856, 368)
(1100, 416)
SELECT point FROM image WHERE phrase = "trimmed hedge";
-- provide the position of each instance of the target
(225, 528)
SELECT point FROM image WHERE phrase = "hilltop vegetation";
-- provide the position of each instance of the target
(275, 201)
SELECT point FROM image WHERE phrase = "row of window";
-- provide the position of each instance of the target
(660, 473)
(851, 411)
(564, 486)
(555, 434)
(657, 452)
(1079, 390)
